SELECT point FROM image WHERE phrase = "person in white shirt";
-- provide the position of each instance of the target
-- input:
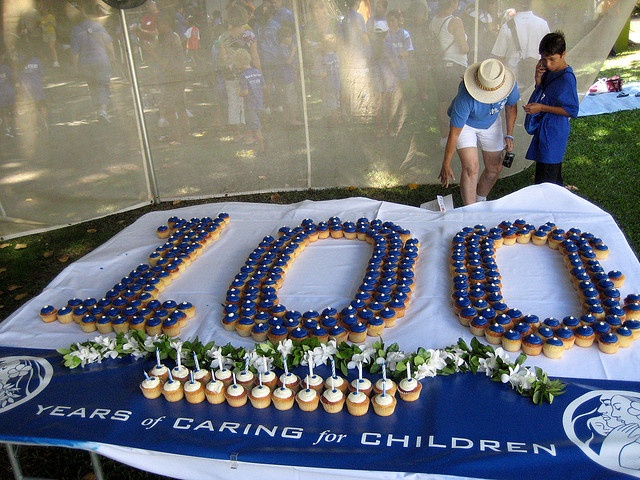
(521, 53)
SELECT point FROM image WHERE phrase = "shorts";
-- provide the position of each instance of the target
(490, 139)
(49, 37)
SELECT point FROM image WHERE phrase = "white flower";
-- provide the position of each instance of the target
(176, 344)
(149, 343)
(437, 361)
(131, 346)
(264, 364)
(490, 364)
(519, 377)
(457, 355)
(365, 357)
(253, 357)
(322, 353)
(285, 347)
(393, 358)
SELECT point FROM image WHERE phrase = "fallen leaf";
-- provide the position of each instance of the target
(21, 296)
(5, 245)
(13, 287)
(20, 246)
(47, 254)
(275, 197)
(176, 202)
(413, 186)
(63, 259)
(3, 269)
(92, 230)
(351, 188)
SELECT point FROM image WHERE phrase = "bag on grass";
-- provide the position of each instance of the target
(614, 84)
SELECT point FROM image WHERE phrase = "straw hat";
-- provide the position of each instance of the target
(489, 81)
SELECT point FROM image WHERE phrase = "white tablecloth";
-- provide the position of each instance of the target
(328, 273)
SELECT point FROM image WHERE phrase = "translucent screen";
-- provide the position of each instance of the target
(161, 101)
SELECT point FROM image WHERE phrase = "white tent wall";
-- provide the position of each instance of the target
(76, 166)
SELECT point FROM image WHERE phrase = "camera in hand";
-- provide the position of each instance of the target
(507, 161)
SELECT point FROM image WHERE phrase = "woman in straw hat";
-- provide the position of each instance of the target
(487, 88)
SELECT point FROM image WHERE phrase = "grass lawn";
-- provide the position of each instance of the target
(601, 161)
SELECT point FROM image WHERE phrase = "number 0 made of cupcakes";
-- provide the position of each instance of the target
(606, 320)
(252, 307)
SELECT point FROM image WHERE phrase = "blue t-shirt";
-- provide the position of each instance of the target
(549, 143)
(466, 110)
(395, 44)
(252, 81)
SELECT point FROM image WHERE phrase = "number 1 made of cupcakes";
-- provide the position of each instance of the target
(252, 307)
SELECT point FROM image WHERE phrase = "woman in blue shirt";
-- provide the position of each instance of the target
(556, 100)
(487, 88)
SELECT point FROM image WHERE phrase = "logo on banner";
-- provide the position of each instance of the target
(21, 379)
(605, 425)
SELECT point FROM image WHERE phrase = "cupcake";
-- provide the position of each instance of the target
(246, 378)
(409, 389)
(277, 333)
(161, 371)
(385, 385)
(49, 313)
(172, 390)
(634, 326)
(88, 323)
(153, 326)
(532, 345)
(625, 335)
(478, 326)
(494, 334)
(384, 404)
(364, 385)
(553, 347)
(358, 333)
(336, 382)
(314, 382)
(332, 400)
(282, 398)
(214, 392)
(608, 343)
(65, 314)
(307, 400)
(260, 396)
(194, 391)
(224, 375)
(567, 336)
(512, 340)
(180, 373)
(259, 332)
(236, 395)
(375, 326)
(289, 380)
(584, 336)
(357, 403)
(151, 387)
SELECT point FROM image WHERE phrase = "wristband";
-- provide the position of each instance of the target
(510, 137)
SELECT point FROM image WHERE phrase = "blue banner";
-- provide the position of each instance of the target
(462, 425)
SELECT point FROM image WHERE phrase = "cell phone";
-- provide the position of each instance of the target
(508, 158)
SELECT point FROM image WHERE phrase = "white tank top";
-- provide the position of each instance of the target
(452, 53)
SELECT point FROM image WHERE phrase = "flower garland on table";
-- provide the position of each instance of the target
(423, 363)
